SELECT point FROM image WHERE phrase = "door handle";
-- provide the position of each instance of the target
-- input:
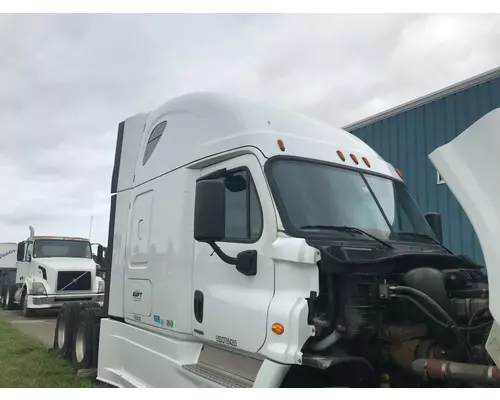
(198, 306)
(139, 224)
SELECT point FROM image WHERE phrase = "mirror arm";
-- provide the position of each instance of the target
(246, 262)
(223, 256)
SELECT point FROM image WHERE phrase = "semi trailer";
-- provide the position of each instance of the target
(8, 252)
(51, 270)
(254, 247)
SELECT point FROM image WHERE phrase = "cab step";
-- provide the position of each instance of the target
(218, 376)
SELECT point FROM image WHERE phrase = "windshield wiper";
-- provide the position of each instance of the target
(346, 228)
(426, 237)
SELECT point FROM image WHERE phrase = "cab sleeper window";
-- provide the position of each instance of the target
(153, 140)
(243, 210)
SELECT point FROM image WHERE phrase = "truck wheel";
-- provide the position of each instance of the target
(86, 339)
(9, 297)
(27, 312)
(65, 326)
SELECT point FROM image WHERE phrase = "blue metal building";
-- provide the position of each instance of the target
(405, 136)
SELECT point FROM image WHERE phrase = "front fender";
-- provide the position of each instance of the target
(97, 280)
(28, 284)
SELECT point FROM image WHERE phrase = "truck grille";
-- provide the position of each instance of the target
(74, 280)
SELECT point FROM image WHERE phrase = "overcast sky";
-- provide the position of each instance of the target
(66, 81)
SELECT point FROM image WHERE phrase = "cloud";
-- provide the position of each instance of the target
(68, 80)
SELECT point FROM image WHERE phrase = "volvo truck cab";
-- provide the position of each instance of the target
(52, 270)
(253, 247)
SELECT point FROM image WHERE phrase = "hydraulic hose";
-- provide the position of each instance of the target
(421, 308)
(327, 342)
(476, 327)
(451, 324)
(476, 315)
(440, 323)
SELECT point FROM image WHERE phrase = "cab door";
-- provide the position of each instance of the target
(22, 267)
(229, 307)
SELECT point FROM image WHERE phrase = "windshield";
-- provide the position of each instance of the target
(320, 195)
(61, 248)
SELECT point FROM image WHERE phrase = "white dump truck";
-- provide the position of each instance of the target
(252, 247)
(8, 253)
(52, 270)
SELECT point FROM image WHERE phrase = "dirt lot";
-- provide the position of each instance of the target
(41, 327)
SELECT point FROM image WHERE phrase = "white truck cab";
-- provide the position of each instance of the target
(252, 247)
(52, 270)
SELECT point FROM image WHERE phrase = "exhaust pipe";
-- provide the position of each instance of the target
(32, 232)
(430, 368)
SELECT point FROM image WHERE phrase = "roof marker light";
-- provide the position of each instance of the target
(281, 145)
(399, 173)
(366, 161)
(341, 155)
(355, 159)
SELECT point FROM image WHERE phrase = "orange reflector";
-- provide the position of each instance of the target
(366, 161)
(278, 328)
(399, 173)
(341, 155)
(281, 145)
(355, 159)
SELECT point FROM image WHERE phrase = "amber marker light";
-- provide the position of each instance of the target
(355, 159)
(278, 328)
(341, 155)
(365, 160)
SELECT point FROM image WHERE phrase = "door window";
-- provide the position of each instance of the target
(243, 209)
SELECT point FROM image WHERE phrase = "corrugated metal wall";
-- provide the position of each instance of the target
(406, 139)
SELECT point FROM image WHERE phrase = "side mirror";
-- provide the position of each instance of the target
(210, 211)
(20, 251)
(210, 221)
(99, 257)
(434, 221)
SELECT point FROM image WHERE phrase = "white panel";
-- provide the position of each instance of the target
(137, 297)
(470, 164)
(201, 125)
(296, 275)
(139, 235)
(168, 250)
(8, 255)
(235, 306)
(133, 357)
(119, 254)
(132, 135)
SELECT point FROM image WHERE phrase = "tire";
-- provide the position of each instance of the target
(9, 297)
(27, 312)
(86, 339)
(65, 326)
